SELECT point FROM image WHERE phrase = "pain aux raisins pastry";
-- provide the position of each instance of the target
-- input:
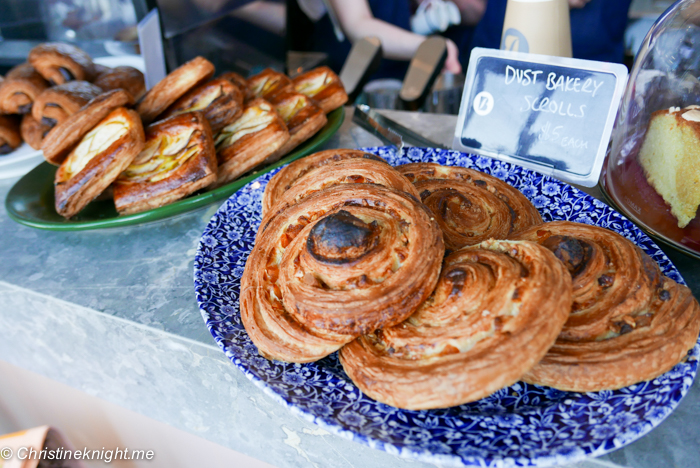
(628, 322)
(55, 105)
(33, 132)
(10, 137)
(100, 156)
(267, 83)
(127, 78)
(177, 160)
(249, 140)
(496, 310)
(219, 99)
(324, 86)
(173, 86)
(470, 206)
(22, 85)
(59, 63)
(302, 117)
(286, 178)
(342, 262)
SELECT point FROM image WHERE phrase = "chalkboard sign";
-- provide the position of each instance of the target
(551, 114)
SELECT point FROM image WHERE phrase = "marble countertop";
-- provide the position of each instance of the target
(112, 312)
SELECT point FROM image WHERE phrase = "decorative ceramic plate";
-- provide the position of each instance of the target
(31, 200)
(522, 425)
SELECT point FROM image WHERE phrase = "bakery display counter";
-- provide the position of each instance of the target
(112, 312)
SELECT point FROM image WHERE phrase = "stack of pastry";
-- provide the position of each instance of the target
(189, 132)
(347, 258)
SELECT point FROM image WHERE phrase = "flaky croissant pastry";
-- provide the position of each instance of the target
(342, 262)
(495, 312)
(628, 322)
(324, 86)
(102, 154)
(10, 137)
(237, 80)
(60, 62)
(55, 105)
(470, 206)
(289, 175)
(33, 132)
(127, 78)
(22, 85)
(177, 160)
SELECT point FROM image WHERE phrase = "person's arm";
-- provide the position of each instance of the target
(357, 21)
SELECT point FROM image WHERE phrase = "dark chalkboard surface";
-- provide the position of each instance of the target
(551, 114)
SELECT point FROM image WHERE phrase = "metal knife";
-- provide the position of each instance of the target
(408, 136)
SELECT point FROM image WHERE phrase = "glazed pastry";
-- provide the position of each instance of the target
(10, 137)
(102, 154)
(343, 171)
(249, 140)
(20, 89)
(173, 86)
(59, 63)
(236, 80)
(126, 78)
(33, 132)
(342, 262)
(290, 174)
(323, 86)
(495, 312)
(219, 99)
(628, 322)
(470, 206)
(177, 160)
(62, 138)
(302, 117)
(55, 105)
(267, 83)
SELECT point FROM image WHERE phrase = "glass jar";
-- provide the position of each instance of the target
(651, 173)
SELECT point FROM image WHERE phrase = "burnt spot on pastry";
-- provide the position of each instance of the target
(457, 278)
(606, 280)
(573, 253)
(623, 328)
(5, 149)
(480, 183)
(425, 194)
(664, 295)
(342, 238)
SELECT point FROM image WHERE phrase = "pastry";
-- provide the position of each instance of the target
(33, 132)
(267, 83)
(670, 157)
(127, 78)
(302, 117)
(496, 310)
(249, 140)
(62, 138)
(343, 171)
(59, 63)
(236, 80)
(55, 105)
(102, 154)
(173, 86)
(177, 160)
(470, 206)
(323, 86)
(219, 99)
(628, 322)
(342, 262)
(10, 137)
(290, 174)
(20, 89)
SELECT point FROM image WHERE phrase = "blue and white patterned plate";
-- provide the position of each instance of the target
(523, 425)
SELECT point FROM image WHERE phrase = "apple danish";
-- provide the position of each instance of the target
(342, 262)
(267, 83)
(102, 154)
(33, 132)
(237, 80)
(10, 137)
(219, 99)
(127, 78)
(249, 140)
(173, 86)
(177, 159)
(290, 174)
(470, 206)
(628, 322)
(62, 138)
(497, 308)
(324, 86)
(302, 117)
(55, 105)
(22, 85)
(59, 62)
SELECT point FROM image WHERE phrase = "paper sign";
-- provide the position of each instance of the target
(551, 114)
